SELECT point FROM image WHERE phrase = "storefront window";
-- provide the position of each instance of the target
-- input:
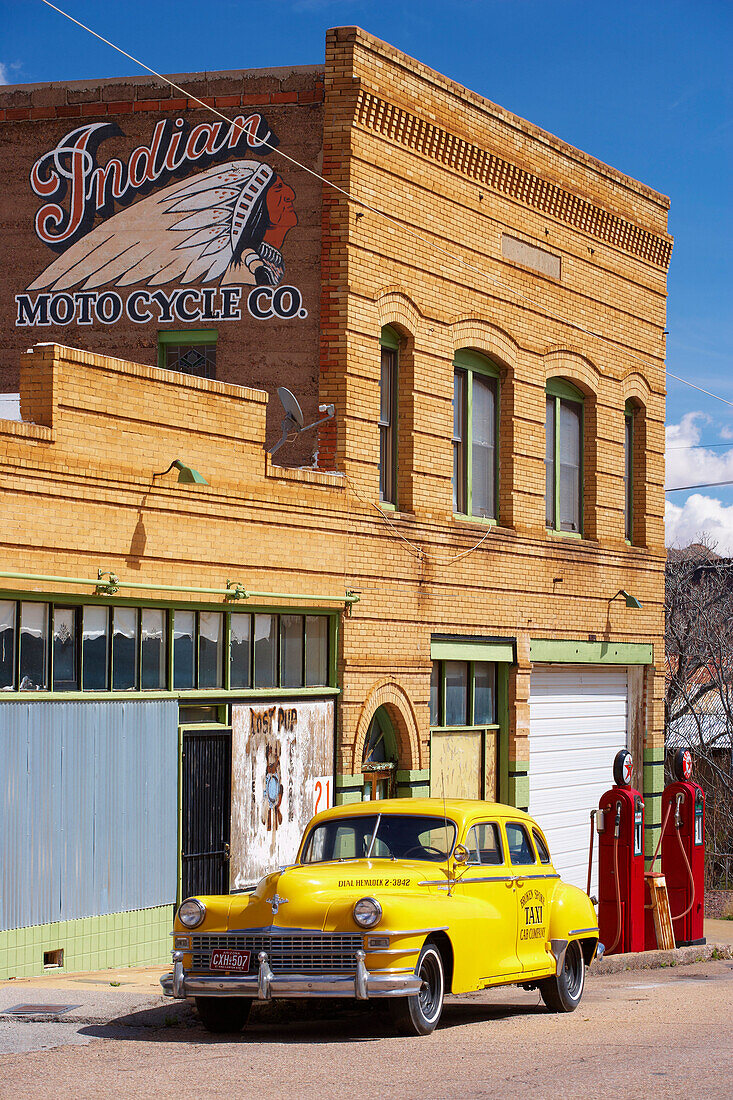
(316, 650)
(124, 649)
(291, 650)
(456, 693)
(7, 645)
(240, 671)
(265, 651)
(33, 646)
(211, 649)
(484, 693)
(184, 624)
(65, 671)
(95, 648)
(153, 649)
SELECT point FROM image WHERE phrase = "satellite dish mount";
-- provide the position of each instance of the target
(294, 422)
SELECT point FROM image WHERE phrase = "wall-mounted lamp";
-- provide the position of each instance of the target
(186, 474)
(631, 601)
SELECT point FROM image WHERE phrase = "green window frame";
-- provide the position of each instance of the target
(190, 351)
(629, 411)
(462, 685)
(564, 433)
(475, 438)
(163, 648)
(389, 345)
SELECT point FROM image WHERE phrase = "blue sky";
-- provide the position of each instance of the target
(645, 86)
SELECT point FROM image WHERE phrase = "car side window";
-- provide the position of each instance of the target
(542, 851)
(520, 846)
(472, 846)
(484, 845)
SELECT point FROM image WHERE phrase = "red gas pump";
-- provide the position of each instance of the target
(683, 851)
(620, 825)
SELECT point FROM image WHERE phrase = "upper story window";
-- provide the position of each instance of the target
(388, 389)
(629, 433)
(564, 457)
(475, 434)
(191, 351)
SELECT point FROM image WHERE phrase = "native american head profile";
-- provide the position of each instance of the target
(225, 226)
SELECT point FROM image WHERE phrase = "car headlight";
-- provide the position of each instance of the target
(367, 912)
(192, 912)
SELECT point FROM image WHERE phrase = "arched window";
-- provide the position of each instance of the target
(379, 762)
(388, 390)
(475, 435)
(564, 457)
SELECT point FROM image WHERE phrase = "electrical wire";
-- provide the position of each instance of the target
(702, 485)
(382, 214)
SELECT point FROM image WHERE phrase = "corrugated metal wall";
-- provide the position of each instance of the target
(88, 816)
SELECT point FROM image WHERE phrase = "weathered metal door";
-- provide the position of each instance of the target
(207, 781)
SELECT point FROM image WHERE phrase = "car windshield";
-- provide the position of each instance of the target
(381, 836)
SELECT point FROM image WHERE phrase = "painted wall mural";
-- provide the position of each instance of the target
(282, 773)
(200, 249)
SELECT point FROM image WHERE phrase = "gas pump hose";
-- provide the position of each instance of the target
(612, 948)
(689, 872)
(590, 851)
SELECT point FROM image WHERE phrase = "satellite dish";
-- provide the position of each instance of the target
(293, 410)
(293, 422)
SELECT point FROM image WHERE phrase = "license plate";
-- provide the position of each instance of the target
(230, 960)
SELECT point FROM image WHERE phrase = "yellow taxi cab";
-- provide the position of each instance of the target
(406, 899)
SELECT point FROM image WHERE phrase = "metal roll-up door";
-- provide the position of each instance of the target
(578, 720)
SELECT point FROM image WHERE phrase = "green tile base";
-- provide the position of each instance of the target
(137, 938)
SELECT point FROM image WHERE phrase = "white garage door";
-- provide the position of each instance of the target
(577, 724)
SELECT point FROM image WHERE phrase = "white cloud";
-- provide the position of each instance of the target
(700, 516)
(689, 464)
(3, 74)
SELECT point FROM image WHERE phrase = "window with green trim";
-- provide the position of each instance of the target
(463, 693)
(475, 434)
(103, 647)
(564, 457)
(388, 391)
(191, 351)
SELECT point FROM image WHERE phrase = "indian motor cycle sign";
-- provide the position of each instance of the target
(190, 227)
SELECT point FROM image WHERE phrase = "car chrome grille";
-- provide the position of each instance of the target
(292, 952)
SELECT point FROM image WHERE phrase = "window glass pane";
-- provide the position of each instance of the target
(520, 847)
(154, 646)
(316, 650)
(211, 649)
(33, 646)
(489, 844)
(484, 693)
(198, 359)
(541, 847)
(570, 450)
(459, 441)
(265, 651)
(628, 476)
(95, 648)
(7, 645)
(472, 845)
(435, 694)
(239, 669)
(184, 623)
(456, 693)
(483, 450)
(387, 415)
(124, 648)
(550, 462)
(291, 650)
(65, 675)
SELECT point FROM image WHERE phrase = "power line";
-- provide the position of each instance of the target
(388, 217)
(703, 485)
(699, 446)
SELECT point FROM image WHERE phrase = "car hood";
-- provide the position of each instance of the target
(321, 895)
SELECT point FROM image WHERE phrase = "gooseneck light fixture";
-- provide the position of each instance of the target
(186, 474)
(631, 601)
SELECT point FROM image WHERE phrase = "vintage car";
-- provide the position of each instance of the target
(406, 899)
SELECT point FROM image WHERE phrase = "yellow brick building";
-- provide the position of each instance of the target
(455, 587)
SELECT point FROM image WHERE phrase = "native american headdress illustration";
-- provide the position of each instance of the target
(189, 232)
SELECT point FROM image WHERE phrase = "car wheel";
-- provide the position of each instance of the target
(563, 991)
(223, 1014)
(419, 1014)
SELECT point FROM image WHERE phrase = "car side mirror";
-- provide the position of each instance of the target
(460, 853)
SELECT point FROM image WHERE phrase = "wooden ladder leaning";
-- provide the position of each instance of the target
(660, 910)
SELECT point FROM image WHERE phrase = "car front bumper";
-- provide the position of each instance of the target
(264, 985)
